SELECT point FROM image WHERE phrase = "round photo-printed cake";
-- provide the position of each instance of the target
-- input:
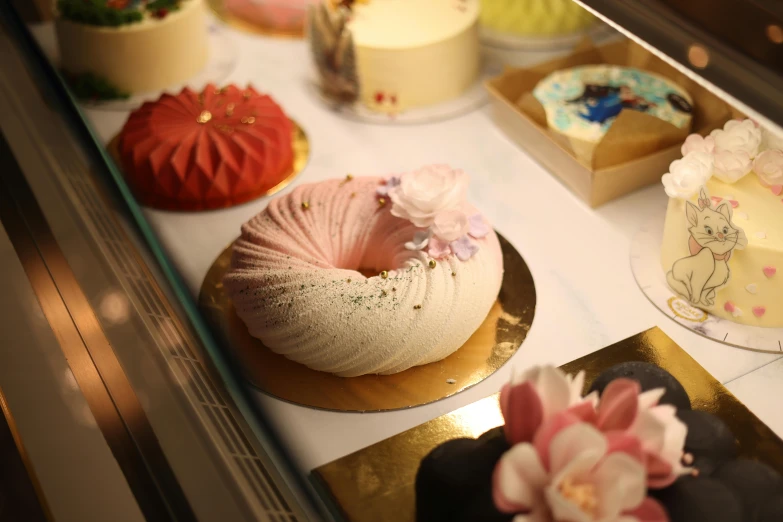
(583, 102)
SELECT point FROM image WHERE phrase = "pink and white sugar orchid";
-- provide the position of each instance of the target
(588, 476)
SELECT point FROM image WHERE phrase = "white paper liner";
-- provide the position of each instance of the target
(221, 62)
(646, 267)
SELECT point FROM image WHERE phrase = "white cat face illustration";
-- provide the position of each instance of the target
(713, 229)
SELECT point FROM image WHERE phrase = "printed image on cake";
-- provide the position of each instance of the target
(114, 48)
(287, 16)
(581, 103)
(207, 150)
(723, 236)
(366, 275)
(534, 18)
(395, 55)
(632, 450)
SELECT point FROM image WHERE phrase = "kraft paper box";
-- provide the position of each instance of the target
(638, 147)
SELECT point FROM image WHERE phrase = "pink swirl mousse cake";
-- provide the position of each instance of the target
(296, 276)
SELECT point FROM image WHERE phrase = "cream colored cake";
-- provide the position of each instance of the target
(395, 55)
(534, 18)
(723, 238)
(161, 49)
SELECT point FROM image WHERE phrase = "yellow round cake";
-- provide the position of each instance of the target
(395, 55)
(537, 18)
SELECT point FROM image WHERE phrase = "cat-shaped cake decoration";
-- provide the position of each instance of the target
(713, 238)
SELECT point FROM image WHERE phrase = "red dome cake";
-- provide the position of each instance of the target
(199, 151)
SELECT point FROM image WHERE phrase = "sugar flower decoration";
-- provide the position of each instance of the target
(587, 477)
(687, 175)
(438, 249)
(434, 200)
(423, 194)
(730, 166)
(698, 143)
(738, 135)
(769, 167)
(463, 248)
(478, 228)
(582, 459)
(450, 225)
(391, 182)
(420, 240)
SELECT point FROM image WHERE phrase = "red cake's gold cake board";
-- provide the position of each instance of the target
(496, 340)
(376, 484)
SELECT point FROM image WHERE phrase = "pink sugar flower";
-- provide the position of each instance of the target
(587, 476)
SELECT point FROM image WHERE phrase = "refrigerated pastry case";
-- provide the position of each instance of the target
(120, 403)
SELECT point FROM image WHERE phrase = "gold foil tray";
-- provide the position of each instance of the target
(376, 484)
(495, 341)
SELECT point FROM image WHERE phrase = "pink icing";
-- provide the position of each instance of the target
(294, 281)
(776, 189)
(769, 271)
(729, 307)
(758, 311)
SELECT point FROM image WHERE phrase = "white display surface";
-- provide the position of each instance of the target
(587, 297)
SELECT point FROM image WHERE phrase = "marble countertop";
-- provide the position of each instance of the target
(579, 257)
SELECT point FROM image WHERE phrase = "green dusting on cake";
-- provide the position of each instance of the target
(89, 86)
(114, 13)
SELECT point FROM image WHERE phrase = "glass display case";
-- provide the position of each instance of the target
(125, 395)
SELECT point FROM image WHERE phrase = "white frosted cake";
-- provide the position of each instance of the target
(129, 46)
(723, 237)
(395, 55)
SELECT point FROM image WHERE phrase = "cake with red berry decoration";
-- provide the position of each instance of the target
(631, 450)
(395, 55)
(114, 48)
(723, 237)
(213, 149)
(297, 276)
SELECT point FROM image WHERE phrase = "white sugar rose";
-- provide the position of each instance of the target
(687, 175)
(769, 167)
(738, 135)
(425, 193)
(698, 143)
(450, 225)
(729, 166)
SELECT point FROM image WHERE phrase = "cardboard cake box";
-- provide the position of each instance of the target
(637, 149)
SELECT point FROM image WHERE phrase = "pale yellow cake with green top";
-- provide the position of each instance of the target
(540, 18)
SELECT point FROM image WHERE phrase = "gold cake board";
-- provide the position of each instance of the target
(495, 341)
(376, 484)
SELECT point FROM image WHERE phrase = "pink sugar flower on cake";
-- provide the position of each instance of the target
(698, 143)
(580, 459)
(588, 476)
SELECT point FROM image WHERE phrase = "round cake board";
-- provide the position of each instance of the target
(491, 346)
(649, 274)
(221, 62)
(473, 98)
(299, 142)
(218, 9)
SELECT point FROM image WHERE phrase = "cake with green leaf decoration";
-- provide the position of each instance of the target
(114, 48)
